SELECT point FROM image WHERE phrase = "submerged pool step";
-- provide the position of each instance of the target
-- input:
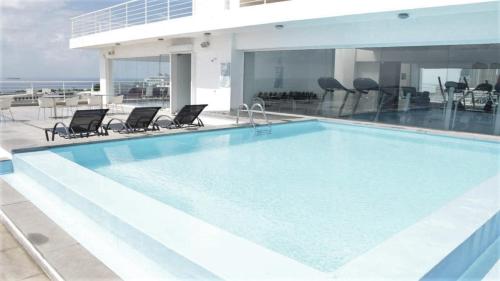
(42, 173)
(189, 246)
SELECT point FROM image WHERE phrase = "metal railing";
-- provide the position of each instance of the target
(27, 92)
(130, 13)
(245, 3)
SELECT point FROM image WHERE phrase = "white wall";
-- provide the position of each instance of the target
(105, 76)
(207, 62)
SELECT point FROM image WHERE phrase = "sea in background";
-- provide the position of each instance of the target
(19, 85)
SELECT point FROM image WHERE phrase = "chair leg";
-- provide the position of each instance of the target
(355, 107)
(379, 107)
(11, 116)
(343, 104)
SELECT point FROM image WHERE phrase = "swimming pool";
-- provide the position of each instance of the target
(318, 193)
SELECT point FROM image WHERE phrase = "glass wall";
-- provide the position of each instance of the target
(144, 80)
(438, 87)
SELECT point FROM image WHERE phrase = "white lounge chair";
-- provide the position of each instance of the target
(44, 104)
(115, 102)
(5, 105)
(94, 101)
(70, 104)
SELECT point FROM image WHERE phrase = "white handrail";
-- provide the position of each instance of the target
(131, 13)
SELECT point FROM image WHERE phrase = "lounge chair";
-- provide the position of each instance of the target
(186, 117)
(140, 119)
(84, 123)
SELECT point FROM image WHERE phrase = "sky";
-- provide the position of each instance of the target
(34, 39)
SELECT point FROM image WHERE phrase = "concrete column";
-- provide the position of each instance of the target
(105, 76)
(249, 76)
(345, 60)
(180, 78)
(237, 69)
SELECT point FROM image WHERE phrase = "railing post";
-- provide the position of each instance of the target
(32, 93)
(145, 11)
(109, 19)
(126, 14)
(64, 91)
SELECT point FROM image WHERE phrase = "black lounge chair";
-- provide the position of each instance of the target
(84, 123)
(140, 119)
(186, 117)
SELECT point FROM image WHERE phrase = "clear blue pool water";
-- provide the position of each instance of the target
(317, 192)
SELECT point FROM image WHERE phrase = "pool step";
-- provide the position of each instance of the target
(57, 182)
(187, 245)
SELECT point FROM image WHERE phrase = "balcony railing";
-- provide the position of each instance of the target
(131, 13)
(245, 3)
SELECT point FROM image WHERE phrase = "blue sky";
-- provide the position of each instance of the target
(34, 39)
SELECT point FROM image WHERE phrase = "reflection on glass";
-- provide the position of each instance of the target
(438, 87)
(144, 80)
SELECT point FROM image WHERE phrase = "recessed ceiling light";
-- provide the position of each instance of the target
(279, 26)
(403, 16)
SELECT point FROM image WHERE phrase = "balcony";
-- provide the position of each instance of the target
(136, 12)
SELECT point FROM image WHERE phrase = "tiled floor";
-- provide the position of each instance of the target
(15, 263)
(27, 129)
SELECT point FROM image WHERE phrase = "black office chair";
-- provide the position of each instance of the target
(330, 85)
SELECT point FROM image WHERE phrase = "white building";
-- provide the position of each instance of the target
(226, 52)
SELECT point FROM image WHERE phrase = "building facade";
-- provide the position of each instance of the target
(430, 64)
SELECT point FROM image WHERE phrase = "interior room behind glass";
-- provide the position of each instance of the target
(439, 87)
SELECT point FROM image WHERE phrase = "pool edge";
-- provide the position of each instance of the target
(43, 257)
(429, 241)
